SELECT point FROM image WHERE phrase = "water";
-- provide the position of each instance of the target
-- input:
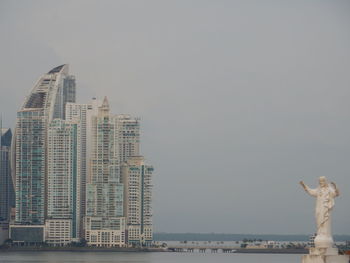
(165, 257)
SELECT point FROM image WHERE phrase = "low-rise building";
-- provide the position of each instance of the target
(27, 234)
(105, 232)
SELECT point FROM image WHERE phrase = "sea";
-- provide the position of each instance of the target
(141, 257)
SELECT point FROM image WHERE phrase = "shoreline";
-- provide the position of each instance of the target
(80, 249)
(272, 251)
(143, 250)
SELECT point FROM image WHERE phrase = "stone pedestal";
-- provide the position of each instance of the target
(325, 259)
(325, 255)
(322, 240)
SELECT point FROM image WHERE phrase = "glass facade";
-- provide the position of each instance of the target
(7, 197)
(30, 167)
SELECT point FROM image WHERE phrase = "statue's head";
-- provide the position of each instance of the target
(323, 181)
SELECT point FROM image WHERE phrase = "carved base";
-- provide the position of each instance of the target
(325, 259)
(330, 251)
(322, 240)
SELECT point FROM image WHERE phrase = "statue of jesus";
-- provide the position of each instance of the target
(325, 194)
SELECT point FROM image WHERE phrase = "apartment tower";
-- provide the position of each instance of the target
(137, 179)
(104, 222)
(45, 103)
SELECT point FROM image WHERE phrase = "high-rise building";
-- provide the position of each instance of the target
(7, 197)
(63, 182)
(128, 132)
(83, 113)
(137, 180)
(45, 103)
(104, 221)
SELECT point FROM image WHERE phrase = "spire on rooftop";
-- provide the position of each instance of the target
(104, 109)
(105, 103)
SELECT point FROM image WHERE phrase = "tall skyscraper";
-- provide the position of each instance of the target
(63, 182)
(45, 103)
(7, 197)
(137, 180)
(104, 221)
(83, 113)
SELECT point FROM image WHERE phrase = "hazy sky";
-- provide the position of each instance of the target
(239, 100)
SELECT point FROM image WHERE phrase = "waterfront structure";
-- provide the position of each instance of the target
(28, 235)
(4, 231)
(137, 179)
(7, 197)
(82, 113)
(324, 249)
(104, 222)
(45, 103)
(63, 182)
(66, 167)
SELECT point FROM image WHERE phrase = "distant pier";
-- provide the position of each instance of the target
(202, 249)
(231, 249)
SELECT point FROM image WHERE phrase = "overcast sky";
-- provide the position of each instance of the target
(239, 100)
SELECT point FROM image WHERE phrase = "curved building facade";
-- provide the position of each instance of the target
(46, 102)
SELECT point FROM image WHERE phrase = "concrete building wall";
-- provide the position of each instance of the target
(105, 232)
(128, 136)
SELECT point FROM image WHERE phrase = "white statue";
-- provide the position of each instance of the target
(325, 194)
(324, 252)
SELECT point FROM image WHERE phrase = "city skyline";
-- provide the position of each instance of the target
(66, 160)
(239, 101)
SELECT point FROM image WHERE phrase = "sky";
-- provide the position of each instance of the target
(239, 100)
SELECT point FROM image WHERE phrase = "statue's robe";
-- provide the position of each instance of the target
(324, 204)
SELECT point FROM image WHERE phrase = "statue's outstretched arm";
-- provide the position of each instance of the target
(312, 192)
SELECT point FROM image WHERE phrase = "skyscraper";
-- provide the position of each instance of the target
(137, 180)
(63, 182)
(82, 113)
(45, 103)
(104, 221)
(7, 197)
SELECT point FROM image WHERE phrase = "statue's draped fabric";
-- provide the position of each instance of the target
(324, 204)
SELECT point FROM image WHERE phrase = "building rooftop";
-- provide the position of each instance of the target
(56, 69)
(4, 130)
(6, 136)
